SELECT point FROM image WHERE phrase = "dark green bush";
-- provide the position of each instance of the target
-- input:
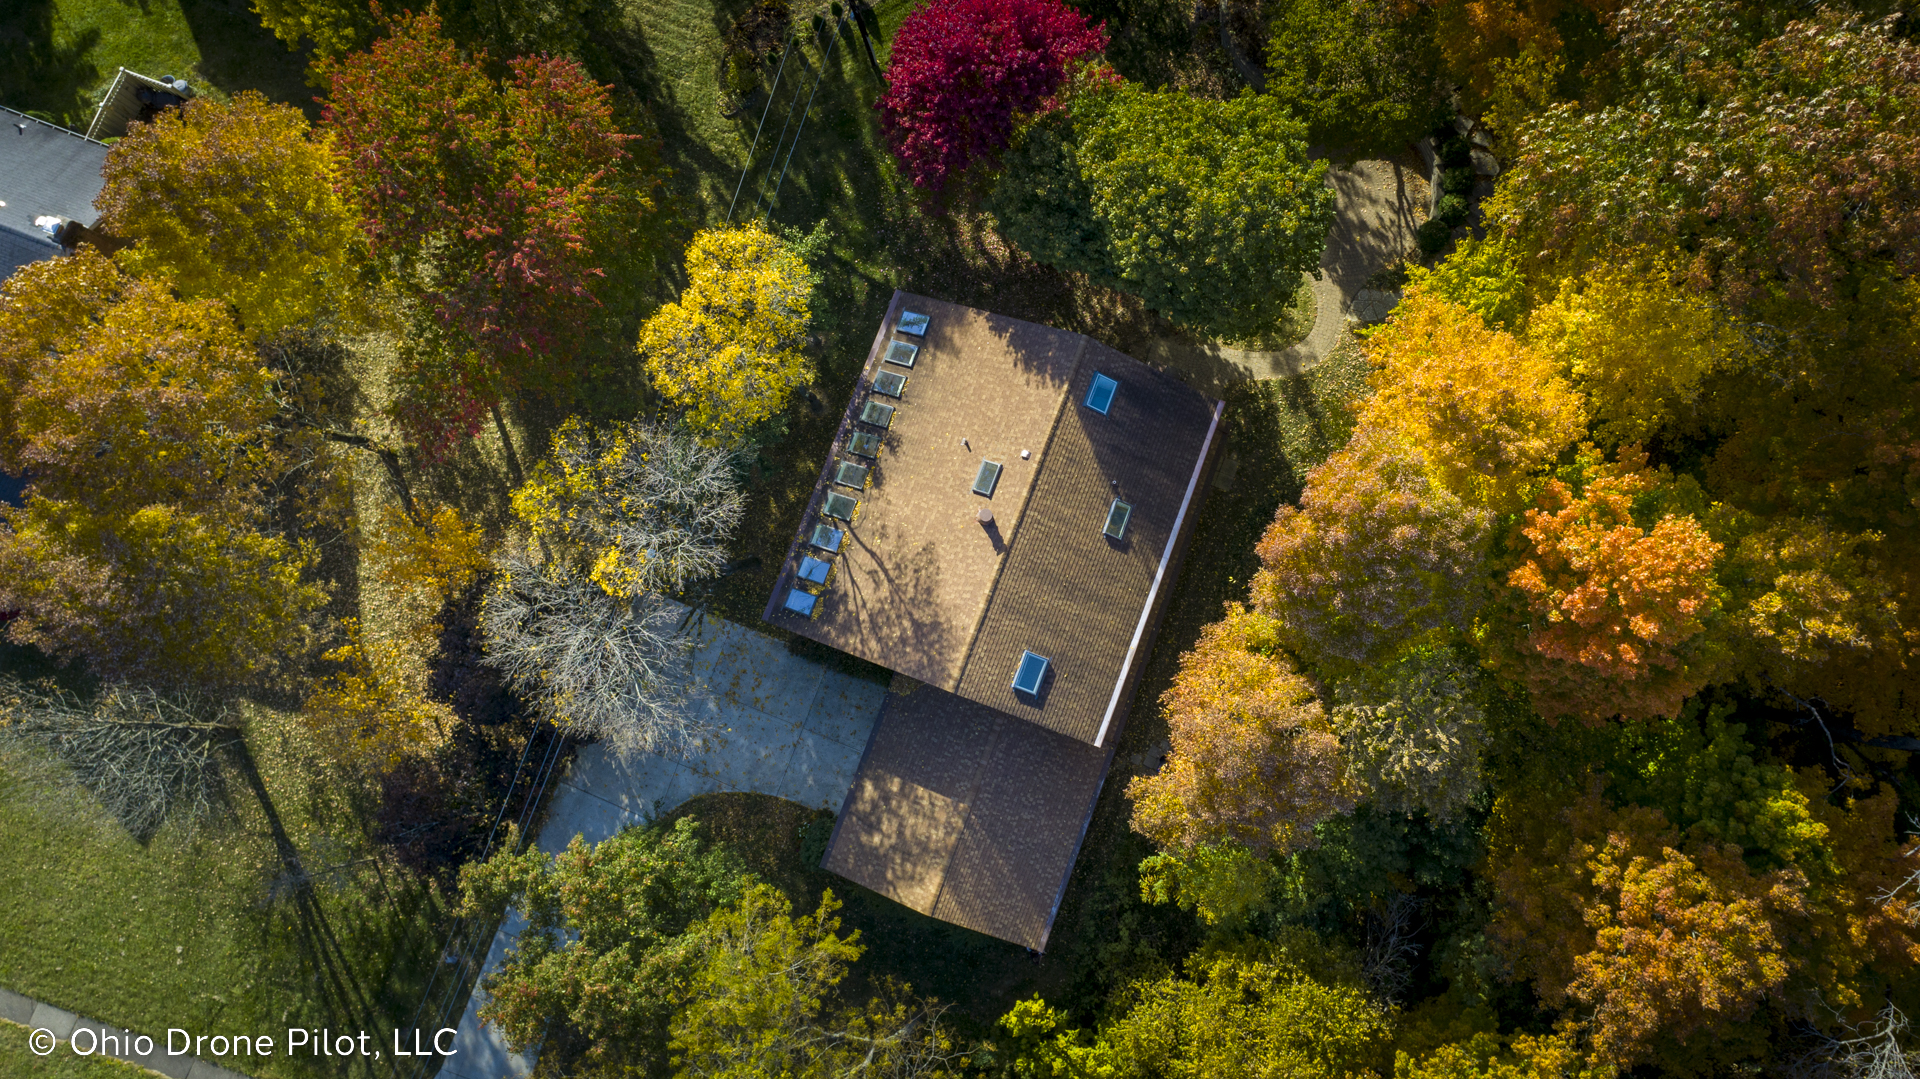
(1456, 152)
(1452, 210)
(1457, 181)
(1433, 236)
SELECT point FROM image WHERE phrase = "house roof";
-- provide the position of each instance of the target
(45, 171)
(922, 586)
(967, 814)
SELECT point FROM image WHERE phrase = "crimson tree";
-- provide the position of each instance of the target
(962, 73)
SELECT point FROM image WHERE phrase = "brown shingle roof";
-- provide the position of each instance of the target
(924, 588)
(967, 814)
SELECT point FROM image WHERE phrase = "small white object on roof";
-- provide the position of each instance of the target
(985, 516)
(48, 224)
(1024, 454)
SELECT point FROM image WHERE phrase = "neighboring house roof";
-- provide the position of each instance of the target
(45, 171)
(967, 814)
(973, 796)
(133, 96)
(923, 587)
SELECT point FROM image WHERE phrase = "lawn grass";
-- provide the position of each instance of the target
(209, 929)
(19, 1062)
(57, 57)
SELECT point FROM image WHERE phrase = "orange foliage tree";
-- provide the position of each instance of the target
(1615, 609)
(1254, 760)
(1672, 937)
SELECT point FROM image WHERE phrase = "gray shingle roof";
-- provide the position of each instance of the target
(45, 170)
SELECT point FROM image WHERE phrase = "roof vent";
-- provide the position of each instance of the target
(1118, 515)
(802, 603)
(901, 352)
(864, 443)
(826, 537)
(813, 569)
(1032, 670)
(1100, 394)
(913, 323)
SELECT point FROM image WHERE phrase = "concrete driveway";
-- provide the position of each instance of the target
(784, 725)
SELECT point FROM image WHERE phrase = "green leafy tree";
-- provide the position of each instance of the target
(728, 352)
(1365, 76)
(1413, 734)
(1210, 211)
(614, 932)
(1257, 1015)
(143, 424)
(236, 201)
(760, 1004)
(1776, 165)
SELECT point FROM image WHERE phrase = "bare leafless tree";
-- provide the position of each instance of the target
(145, 756)
(1871, 1050)
(596, 665)
(657, 496)
(1387, 963)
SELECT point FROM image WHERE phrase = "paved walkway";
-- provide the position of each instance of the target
(1380, 206)
(786, 726)
(33, 1015)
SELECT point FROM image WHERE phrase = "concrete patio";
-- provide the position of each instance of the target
(783, 725)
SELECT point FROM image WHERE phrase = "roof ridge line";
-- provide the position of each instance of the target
(993, 589)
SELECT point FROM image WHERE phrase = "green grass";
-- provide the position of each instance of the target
(57, 57)
(19, 1062)
(204, 929)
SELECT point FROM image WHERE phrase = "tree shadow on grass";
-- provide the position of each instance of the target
(238, 53)
(38, 76)
(298, 914)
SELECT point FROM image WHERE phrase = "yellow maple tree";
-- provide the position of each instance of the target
(728, 352)
(1489, 412)
(237, 201)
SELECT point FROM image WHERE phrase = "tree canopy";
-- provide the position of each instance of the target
(963, 74)
(1210, 211)
(142, 421)
(237, 202)
(729, 351)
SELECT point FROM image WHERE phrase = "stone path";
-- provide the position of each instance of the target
(787, 726)
(33, 1015)
(1380, 206)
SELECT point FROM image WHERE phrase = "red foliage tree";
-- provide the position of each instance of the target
(963, 72)
(494, 200)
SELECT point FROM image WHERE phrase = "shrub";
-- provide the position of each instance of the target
(1455, 152)
(1457, 181)
(1433, 236)
(1452, 210)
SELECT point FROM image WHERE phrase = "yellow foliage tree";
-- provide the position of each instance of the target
(1636, 343)
(425, 565)
(234, 201)
(370, 712)
(1254, 759)
(1489, 412)
(142, 422)
(728, 352)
